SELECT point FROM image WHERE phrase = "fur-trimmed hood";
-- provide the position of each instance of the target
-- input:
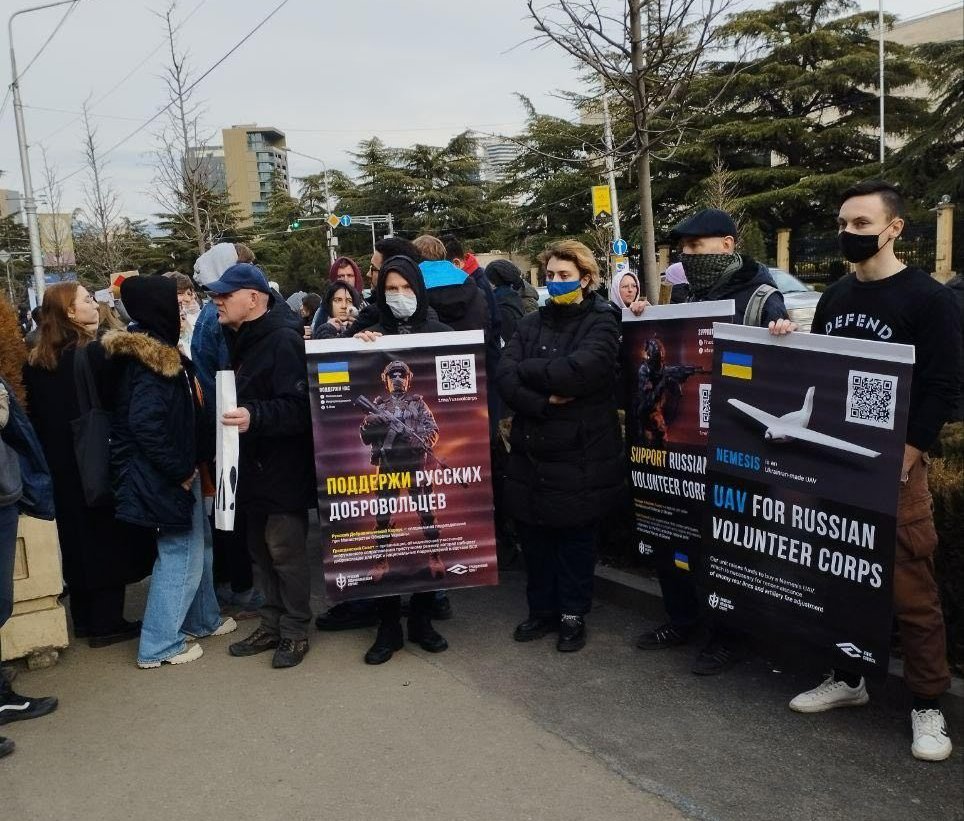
(154, 355)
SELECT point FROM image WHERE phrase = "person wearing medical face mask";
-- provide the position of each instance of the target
(885, 300)
(402, 301)
(565, 470)
(403, 307)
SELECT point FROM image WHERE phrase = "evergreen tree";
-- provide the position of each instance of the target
(798, 122)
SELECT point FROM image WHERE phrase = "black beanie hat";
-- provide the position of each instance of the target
(152, 303)
(501, 271)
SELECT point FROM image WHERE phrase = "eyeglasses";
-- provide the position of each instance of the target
(372, 268)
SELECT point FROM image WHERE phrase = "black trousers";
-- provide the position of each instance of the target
(390, 607)
(99, 611)
(232, 560)
(680, 597)
(559, 564)
(278, 545)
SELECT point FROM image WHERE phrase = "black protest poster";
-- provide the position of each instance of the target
(805, 453)
(667, 360)
(404, 487)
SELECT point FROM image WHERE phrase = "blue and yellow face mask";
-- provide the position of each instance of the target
(563, 293)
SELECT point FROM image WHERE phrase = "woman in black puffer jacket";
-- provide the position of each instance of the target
(158, 441)
(566, 466)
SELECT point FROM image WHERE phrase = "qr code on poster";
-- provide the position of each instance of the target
(871, 399)
(705, 405)
(455, 374)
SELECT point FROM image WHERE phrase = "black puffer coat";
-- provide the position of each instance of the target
(153, 431)
(276, 472)
(566, 466)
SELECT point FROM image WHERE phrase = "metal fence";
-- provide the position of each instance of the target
(816, 258)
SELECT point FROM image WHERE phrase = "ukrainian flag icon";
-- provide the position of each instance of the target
(737, 365)
(681, 560)
(333, 373)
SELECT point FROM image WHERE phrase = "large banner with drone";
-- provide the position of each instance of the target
(804, 464)
(404, 487)
(667, 360)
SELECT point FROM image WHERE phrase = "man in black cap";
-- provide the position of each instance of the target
(715, 270)
(276, 478)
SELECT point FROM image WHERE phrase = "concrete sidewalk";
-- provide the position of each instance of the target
(491, 729)
(226, 738)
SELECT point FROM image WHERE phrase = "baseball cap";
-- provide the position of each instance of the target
(238, 276)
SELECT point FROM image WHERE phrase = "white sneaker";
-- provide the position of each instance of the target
(190, 653)
(830, 694)
(227, 625)
(931, 741)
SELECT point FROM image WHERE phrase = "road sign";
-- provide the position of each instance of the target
(333, 221)
(4, 257)
(620, 247)
(345, 220)
(602, 205)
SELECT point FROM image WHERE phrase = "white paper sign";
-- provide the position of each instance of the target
(226, 454)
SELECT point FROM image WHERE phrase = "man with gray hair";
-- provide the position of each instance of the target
(276, 475)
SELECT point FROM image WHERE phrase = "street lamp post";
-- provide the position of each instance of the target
(324, 167)
(29, 204)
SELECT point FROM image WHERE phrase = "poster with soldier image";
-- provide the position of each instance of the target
(805, 457)
(401, 438)
(667, 356)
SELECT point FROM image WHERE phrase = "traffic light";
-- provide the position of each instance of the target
(294, 226)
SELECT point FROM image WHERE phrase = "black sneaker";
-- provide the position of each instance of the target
(572, 634)
(666, 635)
(125, 632)
(258, 642)
(388, 639)
(421, 632)
(714, 658)
(535, 627)
(6, 746)
(14, 707)
(290, 653)
(347, 616)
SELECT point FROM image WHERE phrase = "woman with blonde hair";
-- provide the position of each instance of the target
(565, 469)
(99, 556)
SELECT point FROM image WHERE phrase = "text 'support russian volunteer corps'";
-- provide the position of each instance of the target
(404, 480)
(667, 359)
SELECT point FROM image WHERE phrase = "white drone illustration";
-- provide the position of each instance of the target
(793, 426)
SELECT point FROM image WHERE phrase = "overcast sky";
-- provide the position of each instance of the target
(326, 73)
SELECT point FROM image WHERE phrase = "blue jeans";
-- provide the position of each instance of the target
(181, 599)
(9, 516)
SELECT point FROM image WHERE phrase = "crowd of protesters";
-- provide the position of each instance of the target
(149, 354)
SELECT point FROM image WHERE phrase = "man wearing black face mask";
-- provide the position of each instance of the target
(886, 301)
(715, 270)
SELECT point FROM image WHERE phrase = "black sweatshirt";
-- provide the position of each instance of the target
(909, 308)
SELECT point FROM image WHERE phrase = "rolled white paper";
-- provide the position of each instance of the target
(226, 453)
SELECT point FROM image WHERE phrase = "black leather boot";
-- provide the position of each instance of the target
(388, 639)
(535, 627)
(572, 634)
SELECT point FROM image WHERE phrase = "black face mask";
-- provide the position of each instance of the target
(859, 247)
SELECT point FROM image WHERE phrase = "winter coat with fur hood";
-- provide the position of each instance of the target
(154, 431)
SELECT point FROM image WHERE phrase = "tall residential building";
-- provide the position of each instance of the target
(495, 155)
(252, 157)
(244, 166)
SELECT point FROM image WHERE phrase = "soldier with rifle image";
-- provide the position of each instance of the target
(401, 431)
(658, 392)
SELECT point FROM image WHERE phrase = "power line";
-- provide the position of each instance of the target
(63, 19)
(188, 90)
(120, 82)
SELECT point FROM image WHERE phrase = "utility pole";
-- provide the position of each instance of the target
(29, 204)
(610, 162)
(880, 40)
